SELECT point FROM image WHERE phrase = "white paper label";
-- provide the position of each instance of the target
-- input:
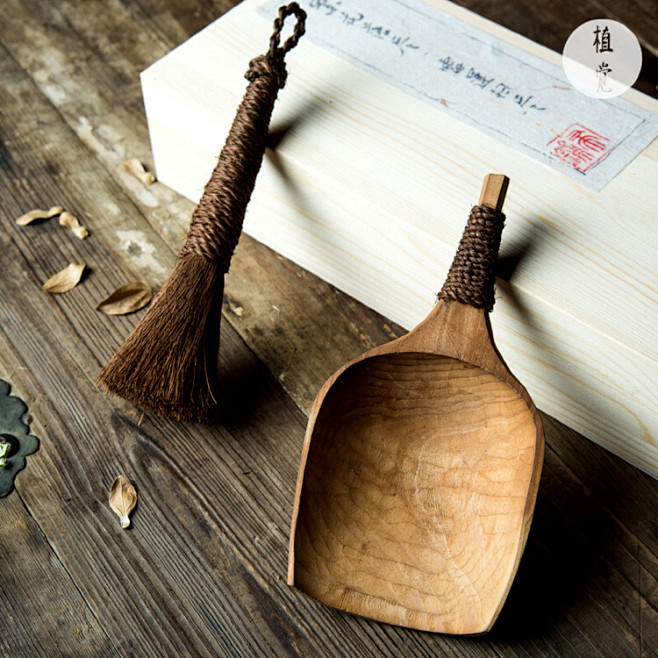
(481, 80)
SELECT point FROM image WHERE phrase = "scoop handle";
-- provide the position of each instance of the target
(494, 190)
(471, 276)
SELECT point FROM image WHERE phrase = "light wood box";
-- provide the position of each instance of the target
(370, 189)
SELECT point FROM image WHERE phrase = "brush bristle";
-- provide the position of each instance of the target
(168, 364)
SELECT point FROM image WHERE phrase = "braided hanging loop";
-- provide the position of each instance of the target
(300, 27)
(471, 277)
(217, 220)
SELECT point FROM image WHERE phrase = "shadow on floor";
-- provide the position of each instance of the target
(568, 539)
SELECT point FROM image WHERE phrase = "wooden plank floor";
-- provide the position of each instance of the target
(202, 570)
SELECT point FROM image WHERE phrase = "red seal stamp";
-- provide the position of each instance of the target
(580, 147)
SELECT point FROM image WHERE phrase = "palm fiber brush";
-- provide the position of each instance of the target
(168, 364)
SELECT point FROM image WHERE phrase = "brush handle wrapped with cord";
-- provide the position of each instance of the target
(217, 220)
(169, 363)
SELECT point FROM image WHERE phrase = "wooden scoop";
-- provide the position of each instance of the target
(421, 464)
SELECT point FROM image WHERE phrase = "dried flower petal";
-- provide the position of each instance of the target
(29, 217)
(123, 499)
(71, 221)
(136, 168)
(126, 299)
(65, 280)
(68, 219)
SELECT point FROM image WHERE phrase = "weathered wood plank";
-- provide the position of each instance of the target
(43, 254)
(164, 568)
(223, 496)
(41, 607)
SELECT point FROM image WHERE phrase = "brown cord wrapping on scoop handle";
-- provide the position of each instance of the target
(472, 275)
(217, 220)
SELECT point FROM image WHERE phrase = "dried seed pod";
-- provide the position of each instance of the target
(136, 168)
(38, 213)
(126, 299)
(71, 221)
(123, 499)
(65, 280)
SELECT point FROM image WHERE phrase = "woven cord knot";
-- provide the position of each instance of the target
(266, 67)
(217, 220)
(471, 277)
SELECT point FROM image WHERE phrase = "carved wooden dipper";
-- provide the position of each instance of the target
(168, 364)
(421, 463)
